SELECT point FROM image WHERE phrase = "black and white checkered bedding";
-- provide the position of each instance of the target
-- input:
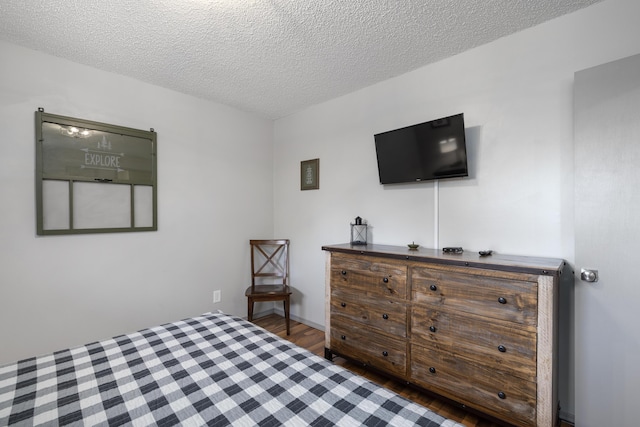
(214, 370)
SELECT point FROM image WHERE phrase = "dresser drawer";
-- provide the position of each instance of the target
(370, 347)
(386, 314)
(367, 274)
(492, 391)
(498, 296)
(494, 343)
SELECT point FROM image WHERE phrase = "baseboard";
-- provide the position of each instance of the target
(567, 417)
(293, 317)
(303, 321)
(259, 314)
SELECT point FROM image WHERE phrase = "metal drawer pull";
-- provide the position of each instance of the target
(588, 275)
(502, 300)
(501, 395)
(385, 280)
(343, 304)
(385, 316)
(385, 354)
(344, 272)
(433, 287)
(432, 328)
(432, 370)
(502, 349)
(342, 337)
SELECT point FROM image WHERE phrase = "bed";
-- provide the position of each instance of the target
(214, 369)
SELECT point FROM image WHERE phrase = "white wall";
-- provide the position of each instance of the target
(215, 191)
(516, 94)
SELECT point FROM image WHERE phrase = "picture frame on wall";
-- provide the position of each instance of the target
(94, 177)
(310, 174)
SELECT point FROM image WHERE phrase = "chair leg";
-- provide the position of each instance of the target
(250, 309)
(286, 314)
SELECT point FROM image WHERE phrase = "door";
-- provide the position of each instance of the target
(607, 239)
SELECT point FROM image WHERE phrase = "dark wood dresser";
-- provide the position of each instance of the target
(481, 331)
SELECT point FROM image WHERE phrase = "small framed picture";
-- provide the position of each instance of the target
(310, 174)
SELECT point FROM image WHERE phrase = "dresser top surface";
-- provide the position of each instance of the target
(517, 263)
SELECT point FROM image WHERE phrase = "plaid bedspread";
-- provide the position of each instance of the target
(212, 370)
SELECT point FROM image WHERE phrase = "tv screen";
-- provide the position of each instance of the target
(427, 151)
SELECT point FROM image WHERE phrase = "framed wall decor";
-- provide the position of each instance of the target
(94, 177)
(310, 174)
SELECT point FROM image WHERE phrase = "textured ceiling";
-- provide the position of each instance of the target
(270, 57)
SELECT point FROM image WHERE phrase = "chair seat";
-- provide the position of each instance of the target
(265, 290)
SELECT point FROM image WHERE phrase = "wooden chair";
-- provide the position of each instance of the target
(269, 275)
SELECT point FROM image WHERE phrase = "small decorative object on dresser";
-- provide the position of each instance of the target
(479, 330)
(358, 232)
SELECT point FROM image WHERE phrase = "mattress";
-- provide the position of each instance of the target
(214, 369)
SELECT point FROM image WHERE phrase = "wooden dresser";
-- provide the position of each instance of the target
(481, 331)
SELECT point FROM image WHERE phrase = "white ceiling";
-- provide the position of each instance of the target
(270, 57)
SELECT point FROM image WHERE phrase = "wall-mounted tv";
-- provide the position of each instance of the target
(427, 151)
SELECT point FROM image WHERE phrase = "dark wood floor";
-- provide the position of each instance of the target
(313, 340)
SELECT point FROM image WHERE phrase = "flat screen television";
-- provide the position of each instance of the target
(427, 151)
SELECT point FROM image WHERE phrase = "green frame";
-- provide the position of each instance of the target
(63, 159)
(310, 174)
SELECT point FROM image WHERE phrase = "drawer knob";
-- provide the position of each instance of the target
(344, 272)
(432, 370)
(385, 280)
(432, 328)
(343, 304)
(342, 337)
(433, 287)
(502, 300)
(385, 353)
(502, 349)
(385, 316)
(501, 395)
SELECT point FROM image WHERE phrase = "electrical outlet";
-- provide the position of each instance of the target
(216, 296)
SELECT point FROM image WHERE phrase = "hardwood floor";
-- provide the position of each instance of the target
(313, 340)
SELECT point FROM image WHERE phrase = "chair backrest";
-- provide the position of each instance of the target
(269, 262)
